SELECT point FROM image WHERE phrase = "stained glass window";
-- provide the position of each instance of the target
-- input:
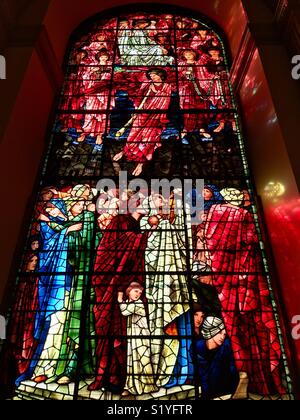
(164, 300)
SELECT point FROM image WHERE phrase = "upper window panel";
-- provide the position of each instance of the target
(138, 89)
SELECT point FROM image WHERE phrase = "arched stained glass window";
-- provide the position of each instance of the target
(131, 290)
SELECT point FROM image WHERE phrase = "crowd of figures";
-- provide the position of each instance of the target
(141, 300)
(152, 68)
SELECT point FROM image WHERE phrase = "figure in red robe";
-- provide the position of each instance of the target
(233, 244)
(72, 100)
(144, 137)
(22, 323)
(100, 41)
(202, 38)
(120, 260)
(95, 124)
(198, 89)
(45, 195)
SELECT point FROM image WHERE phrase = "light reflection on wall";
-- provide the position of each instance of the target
(274, 190)
(272, 120)
(267, 152)
(283, 221)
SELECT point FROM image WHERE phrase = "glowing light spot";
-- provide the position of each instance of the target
(274, 189)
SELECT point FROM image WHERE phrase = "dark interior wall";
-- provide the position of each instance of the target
(268, 33)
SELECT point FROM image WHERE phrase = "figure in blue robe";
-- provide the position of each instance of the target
(183, 372)
(214, 360)
(53, 277)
